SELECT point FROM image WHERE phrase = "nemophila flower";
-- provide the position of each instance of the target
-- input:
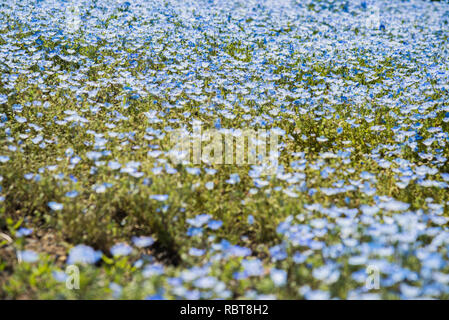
(72, 194)
(215, 224)
(195, 273)
(299, 258)
(192, 295)
(210, 171)
(94, 155)
(17, 107)
(55, 206)
(37, 139)
(279, 277)
(394, 205)
(101, 188)
(20, 119)
(116, 290)
(238, 251)
(157, 170)
(82, 254)
(368, 210)
(317, 295)
(121, 249)
(138, 263)
(75, 160)
(175, 282)
(3, 98)
(252, 267)
(159, 197)
(114, 165)
(69, 152)
(233, 179)
(192, 232)
(207, 282)
(28, 256)
(199, 220)
(60, 276)
(327, 273)
(409, 292)
(153, 270)
(4, 159)
(196, 252)
(278, 253)
(23, 232)
(142, 242)
(193, 171)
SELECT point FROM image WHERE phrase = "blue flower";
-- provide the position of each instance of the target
(60, 276)
(20, 119)
(233, 179)
(3, 98)
(279, 277)
(159, 197)
(82, 254)
(199, 220)
(121, 249)
(72, 194)
(55, 206)
(192, 232)
(252, 267)
(215, 224)
(155, 297)
(116, 290)
(153, 270)
(196, 252)
(278, 253)
(23, 232)
(114, 165)
(29, 256)
(142, 242)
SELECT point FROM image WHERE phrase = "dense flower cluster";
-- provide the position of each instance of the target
(357, 90)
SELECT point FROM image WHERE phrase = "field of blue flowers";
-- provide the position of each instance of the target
(93, 207)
